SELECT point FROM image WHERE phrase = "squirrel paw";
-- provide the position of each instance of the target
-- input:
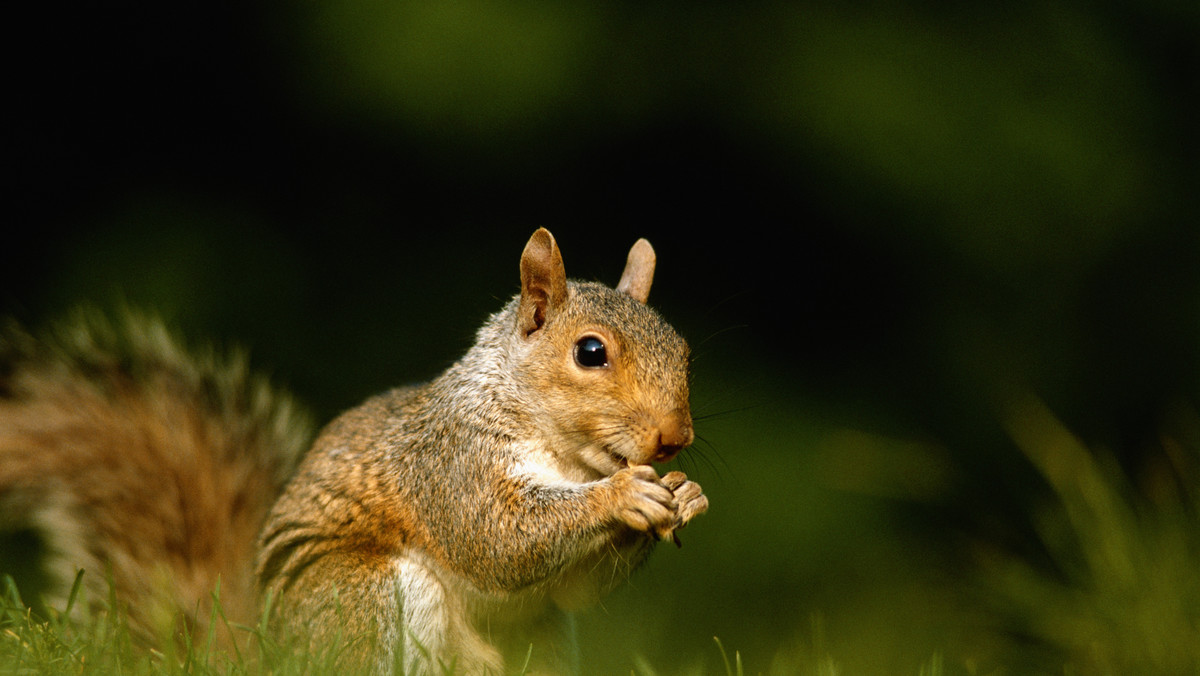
(643, 502)
(689, 498)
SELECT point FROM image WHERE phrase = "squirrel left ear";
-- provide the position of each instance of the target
(543, 282)
(639, 271)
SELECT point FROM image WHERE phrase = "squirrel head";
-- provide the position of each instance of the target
(608, 376)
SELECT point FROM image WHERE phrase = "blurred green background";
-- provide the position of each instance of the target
(878, 225)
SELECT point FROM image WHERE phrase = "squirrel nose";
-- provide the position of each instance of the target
(674, 433)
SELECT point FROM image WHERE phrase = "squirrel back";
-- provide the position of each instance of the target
(146, 466)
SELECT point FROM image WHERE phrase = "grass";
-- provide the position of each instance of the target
(73, 640)
(1117, 592)
(1124, 595)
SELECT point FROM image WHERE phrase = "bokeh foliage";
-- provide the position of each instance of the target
(879, 225)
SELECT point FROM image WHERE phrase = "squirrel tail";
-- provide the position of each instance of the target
(148, 467)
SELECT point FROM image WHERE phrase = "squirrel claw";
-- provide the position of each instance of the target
(669, 534)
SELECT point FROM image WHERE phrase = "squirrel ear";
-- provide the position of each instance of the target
(639, 271)
(543, 282)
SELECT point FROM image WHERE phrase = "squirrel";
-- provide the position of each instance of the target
(453, 525)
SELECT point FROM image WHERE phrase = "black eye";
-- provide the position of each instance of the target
(590, 353)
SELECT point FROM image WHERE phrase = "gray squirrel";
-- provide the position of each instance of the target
(449, 525)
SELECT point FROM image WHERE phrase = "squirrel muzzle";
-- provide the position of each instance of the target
(673, 433)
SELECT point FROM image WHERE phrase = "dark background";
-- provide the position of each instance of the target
(874, 223)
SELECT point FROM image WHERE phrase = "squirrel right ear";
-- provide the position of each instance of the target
(639, 271)
(543, 282)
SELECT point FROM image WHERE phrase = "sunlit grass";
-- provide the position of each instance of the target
(65, 640)
(101, 643)
(77, 640)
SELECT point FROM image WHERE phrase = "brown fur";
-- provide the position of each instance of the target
(128, 456)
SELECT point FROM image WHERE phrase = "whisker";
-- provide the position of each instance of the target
(704, 450)
(699, 353)
(726, 412)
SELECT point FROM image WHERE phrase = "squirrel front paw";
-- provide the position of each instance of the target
(655, 505)
(689, 497)
(642, 501)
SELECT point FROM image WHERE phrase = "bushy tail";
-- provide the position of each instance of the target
(146, 466)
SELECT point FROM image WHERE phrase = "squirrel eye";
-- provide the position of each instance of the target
(591, 353)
